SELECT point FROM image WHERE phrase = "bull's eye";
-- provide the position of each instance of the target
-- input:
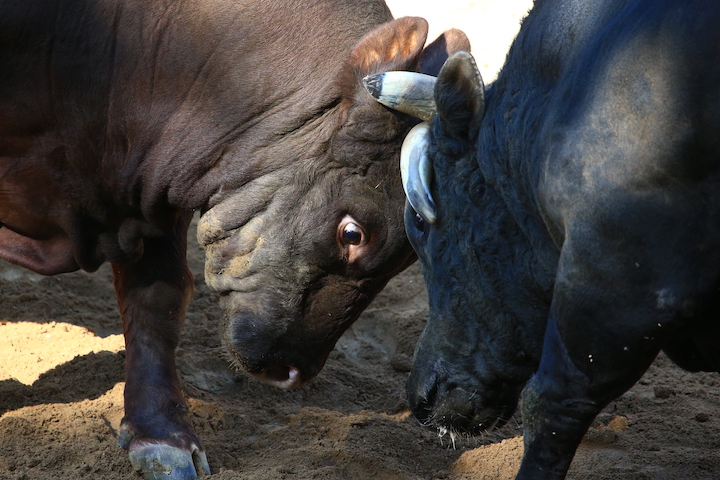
(352, 239)
(419, 222)
(352, 234)
(416, 227)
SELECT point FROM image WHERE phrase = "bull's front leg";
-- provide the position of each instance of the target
(153, 294)
(560, 403)
(600, 339)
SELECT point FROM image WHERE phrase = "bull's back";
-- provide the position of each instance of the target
(635, 118)
(632, 172)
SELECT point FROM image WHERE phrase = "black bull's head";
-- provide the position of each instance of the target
(474, 356)
(300, 251)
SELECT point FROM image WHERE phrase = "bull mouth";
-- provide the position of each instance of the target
(286, 375)
(464, 418)
(452, 409)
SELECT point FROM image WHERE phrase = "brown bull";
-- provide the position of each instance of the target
(120, 118)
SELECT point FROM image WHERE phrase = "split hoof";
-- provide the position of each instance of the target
(157, 461)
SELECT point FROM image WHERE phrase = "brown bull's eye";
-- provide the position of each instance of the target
(352, 234)
(352, 239)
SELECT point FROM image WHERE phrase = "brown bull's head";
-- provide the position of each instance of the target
(299, 252)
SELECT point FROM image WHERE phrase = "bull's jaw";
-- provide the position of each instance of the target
(283, 336)
(472, 360)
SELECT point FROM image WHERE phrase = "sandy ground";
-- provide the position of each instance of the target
(61, 379)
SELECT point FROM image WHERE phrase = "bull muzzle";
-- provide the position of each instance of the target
(263, 346)
(445, 401)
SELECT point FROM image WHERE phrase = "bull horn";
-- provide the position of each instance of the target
(407, 92)
(416, 172)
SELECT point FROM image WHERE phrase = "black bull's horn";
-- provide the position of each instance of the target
(411, 93)
(416, 172)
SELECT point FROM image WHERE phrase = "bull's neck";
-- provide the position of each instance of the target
(211, 98)
(515, 244)
(518, 104)
(502, 245)
(510, 160)
(512, 150)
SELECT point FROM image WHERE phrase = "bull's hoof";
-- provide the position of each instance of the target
(156, 461)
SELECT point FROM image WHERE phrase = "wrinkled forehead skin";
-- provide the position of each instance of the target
(289, 286)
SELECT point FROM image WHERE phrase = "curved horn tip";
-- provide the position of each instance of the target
(425, 210)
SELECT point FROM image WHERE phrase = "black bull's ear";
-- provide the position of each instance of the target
(460, 97)
(365, 133)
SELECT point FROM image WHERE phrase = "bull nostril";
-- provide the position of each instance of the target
(445, 406)
(423, 413)
(422, 401)
(281, 376)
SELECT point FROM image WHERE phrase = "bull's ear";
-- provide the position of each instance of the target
(395, 45)
(460, 97)
(436, 53)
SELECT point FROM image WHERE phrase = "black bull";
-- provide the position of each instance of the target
(119, 118)
(567, 219)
